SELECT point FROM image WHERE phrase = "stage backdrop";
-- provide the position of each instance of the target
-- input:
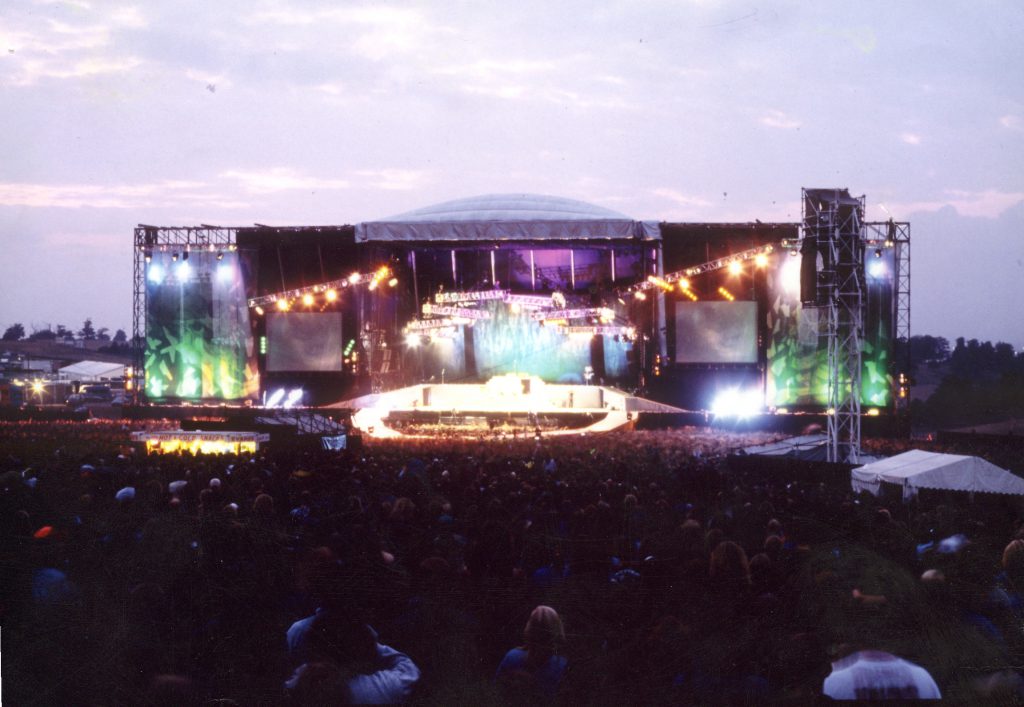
(716, 332)
(511, 342)
(198, 342)
(797, 345)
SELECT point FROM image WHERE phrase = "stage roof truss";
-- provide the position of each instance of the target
(354, 280)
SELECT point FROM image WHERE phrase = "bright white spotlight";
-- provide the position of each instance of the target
(183, 270)
(736, 403)
(412, 340)
(761, 260)
(294, 397)
(735, 268)
(876, 269)
(789, 273)
(275, 398)
(155, 274)
(225, 272)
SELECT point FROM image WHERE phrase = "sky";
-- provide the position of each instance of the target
(178, 113)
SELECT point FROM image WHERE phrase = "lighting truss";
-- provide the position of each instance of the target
(351, 280)
(532, 301)
(480, 296)
(600, 330)
(710, 266)
(433, 310)
(582, 313)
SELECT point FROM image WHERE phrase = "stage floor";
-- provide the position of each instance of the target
(583, 408)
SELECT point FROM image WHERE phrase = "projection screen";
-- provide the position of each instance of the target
(304, 341)
(716, 332)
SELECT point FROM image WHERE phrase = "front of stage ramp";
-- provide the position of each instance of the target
(518, 401)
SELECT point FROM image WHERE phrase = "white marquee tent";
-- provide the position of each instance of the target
(91, 371)
(918, 469)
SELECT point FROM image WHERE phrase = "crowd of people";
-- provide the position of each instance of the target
(626, 568)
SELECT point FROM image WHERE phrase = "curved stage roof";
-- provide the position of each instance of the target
(510, 207)
(505, 217)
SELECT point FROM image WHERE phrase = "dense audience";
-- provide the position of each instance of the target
(628, 568)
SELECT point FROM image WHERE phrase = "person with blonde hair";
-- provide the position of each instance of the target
(535, 670)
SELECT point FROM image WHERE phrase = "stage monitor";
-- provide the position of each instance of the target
(716, 332)
(304, 341)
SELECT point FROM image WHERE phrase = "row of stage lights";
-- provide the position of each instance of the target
(681, 279)
(327, 292)
(183, 252)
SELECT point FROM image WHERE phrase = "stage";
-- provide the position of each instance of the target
(509, 402)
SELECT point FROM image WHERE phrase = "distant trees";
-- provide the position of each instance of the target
(120, 337)
(87, 332)
(15, 332)
(985, 383)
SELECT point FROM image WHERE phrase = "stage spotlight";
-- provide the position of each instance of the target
(259, 310)
(354, 278)
(307, 299)
(737, 404)
(225, 273)
(639, 295)
(174, 257)
(275, 398)
(790, 276)
(393, 282)
(183, 270)
(761, 260)
(155, 274)
(331, 295)
(876, 269)
(878, 252)
(794, 252)
(220, 256)
(735, 268)
(684, 284)
(412, 340)
(149, 256)
(725, 293)
(294, 397)
(283, 305)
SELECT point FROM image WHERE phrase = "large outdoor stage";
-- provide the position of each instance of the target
(531, 312)
(504, 404)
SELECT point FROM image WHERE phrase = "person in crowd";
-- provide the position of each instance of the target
(535, 670)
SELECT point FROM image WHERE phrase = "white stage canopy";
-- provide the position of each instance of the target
(508, 217)
(918, 469)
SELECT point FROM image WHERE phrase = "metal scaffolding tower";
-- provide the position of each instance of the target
(150, 239)
(834, 220)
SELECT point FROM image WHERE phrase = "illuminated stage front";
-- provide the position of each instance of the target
(518, 400)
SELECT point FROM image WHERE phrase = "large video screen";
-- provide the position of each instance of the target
(716, 332)
(198, 341)
(304, 341)
(798, 342)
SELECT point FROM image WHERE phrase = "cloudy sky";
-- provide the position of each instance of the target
(180, 113)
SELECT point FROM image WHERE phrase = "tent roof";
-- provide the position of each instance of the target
(93, 369)
(497, 217)
(931, 470)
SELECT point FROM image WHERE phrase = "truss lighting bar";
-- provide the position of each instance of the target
(531, 301)
(354, 279)
(583, 313)
(626, 331)
(434, 310)
(481, 296)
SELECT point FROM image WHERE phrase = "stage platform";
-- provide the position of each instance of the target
(510, 401)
